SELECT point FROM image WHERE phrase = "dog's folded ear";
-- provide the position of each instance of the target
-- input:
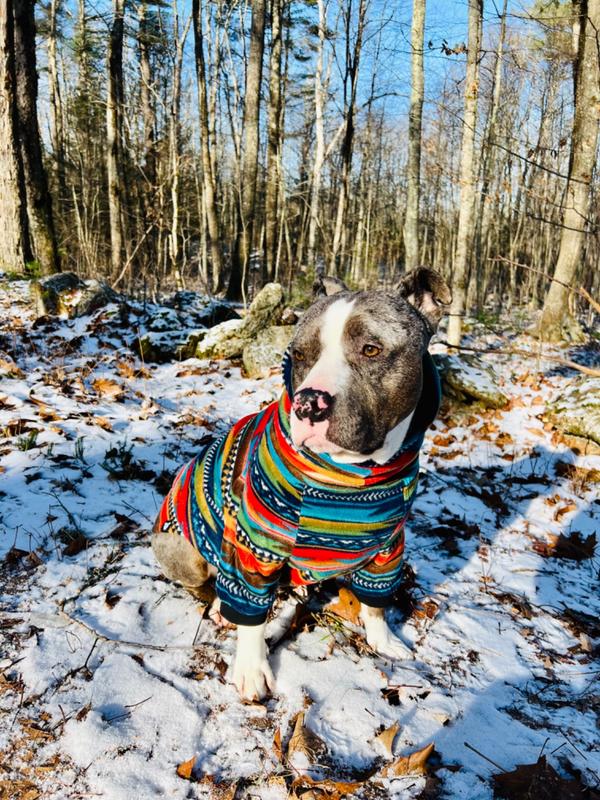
(326, 286)
(427, 291)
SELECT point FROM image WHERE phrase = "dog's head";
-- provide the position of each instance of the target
(356, 370)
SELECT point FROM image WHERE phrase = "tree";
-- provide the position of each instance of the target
(413, 169)
(249, 171)
(584, 144)
(468, 176)
(29, 233)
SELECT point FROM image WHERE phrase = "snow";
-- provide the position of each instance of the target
(127, 679)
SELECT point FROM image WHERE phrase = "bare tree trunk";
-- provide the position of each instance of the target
(15, 248)
(413, 168)
(350, 85)
(39, 203)
(583, 158)
(249, 171)
(319, 157)
(57, 132)
(114, 133)
(468, 176)
(274, 140)
(208, 176)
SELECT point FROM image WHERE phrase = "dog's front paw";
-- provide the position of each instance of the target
(379, 636)
(252, 680)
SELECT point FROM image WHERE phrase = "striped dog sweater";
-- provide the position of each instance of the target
(260, 510)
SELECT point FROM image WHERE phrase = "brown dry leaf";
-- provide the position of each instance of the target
(387, 737)
(426, 610)
(347, 607)
(185, 769)
(277, 744)
(413, 764)
(560, 512)
(535, 431)
(125, 369)
(10, 368)
(76, 544)
(18, 790)
(104, 423)
(503, 439)
(304, 740)
(323, 790)
(574, 546)
(540, 781)
(106, 387)
(444, 441)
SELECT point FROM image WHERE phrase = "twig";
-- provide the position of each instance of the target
(595, 373)
(470, 746)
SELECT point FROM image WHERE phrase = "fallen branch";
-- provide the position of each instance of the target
(565, 362)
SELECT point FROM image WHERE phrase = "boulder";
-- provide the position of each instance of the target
(576, 411)
(467, 378)
(67, 295)
(266, 350)
(229, 339)
(207, 311)
(160, 347)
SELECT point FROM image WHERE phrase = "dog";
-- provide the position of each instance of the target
(319, 483)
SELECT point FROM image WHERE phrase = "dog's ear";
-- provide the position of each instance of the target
(326, 286)
(427, 291)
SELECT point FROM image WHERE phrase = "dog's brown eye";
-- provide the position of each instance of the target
(298, 355)
(371, 350)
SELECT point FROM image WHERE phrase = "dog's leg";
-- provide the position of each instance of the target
(181, 562)
(379, 636)
(251, 672)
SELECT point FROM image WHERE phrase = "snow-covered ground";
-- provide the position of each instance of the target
(111, 678)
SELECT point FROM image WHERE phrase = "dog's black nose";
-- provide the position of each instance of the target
(313, 405)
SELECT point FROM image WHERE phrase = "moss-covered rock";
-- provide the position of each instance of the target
(266, 350)
(467, 379)
(67, 295)
(577, 410)
(160, 347)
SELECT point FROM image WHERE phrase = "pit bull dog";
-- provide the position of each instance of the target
(319, 483)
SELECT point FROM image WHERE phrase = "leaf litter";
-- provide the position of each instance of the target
(111, 683)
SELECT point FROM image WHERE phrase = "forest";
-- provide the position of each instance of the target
(226, 144)
(180, 183)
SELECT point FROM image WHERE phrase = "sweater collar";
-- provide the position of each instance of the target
(323, 469)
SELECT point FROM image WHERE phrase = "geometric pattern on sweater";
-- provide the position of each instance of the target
(260, 510)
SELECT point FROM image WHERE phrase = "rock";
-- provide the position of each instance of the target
(207, 311)
(67, 295)
(266, 350)
(160, 347)
(468, 378)
(289, 316)
(577, 410)
(229, 339)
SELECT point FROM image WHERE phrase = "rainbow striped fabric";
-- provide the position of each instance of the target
(261, 511)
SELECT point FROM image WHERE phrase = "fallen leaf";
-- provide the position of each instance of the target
(574, 546)
(185, 769)
(304, 741)
(106, 387)
(104, 423)
(412, 764)
(277, 744)
(540, 781)
(444, 441)
(76, 544)
(8, 366)
(347, 607)
(325, 789)
(18, 790)
(386, 738)
(560, 512)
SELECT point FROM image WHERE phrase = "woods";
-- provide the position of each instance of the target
(219, 145)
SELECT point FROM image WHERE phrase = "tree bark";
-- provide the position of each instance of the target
(39, 203)
(413, 168)
(584, 142)
(274, 140)
(57, 131)
(208, 176)
(249, 172)
(114, 133)
(15, 248)
(468, 176)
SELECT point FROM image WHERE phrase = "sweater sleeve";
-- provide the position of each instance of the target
(375, 583)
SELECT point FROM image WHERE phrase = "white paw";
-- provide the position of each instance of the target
(389, 646)
(214, 614)
(252, 680)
